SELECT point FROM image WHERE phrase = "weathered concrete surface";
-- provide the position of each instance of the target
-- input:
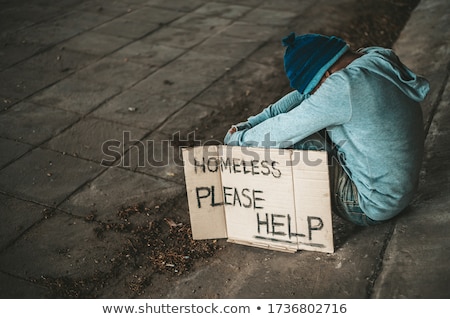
(75, 74)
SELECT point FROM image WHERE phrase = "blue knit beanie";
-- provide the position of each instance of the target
(308, 57)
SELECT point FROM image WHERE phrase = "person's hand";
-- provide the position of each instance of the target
(239, 127)
(234, 128)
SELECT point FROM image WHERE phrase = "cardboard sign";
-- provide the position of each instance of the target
(270, 198)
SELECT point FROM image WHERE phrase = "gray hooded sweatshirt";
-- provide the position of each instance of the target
(372, 114)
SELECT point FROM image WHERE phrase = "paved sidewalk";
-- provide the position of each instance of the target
(91, 94)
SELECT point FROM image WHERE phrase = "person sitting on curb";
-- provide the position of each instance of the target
(367, 103)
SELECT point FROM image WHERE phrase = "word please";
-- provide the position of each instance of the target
(248, 198)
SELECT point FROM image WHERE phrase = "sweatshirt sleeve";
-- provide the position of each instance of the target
(328, 106)
(283, 105)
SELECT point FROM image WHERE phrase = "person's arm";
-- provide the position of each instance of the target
(283, 105)
(327, 107)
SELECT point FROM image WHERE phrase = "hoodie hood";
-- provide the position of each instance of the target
(387, 64)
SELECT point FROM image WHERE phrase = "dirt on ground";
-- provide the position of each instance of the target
(159, 240)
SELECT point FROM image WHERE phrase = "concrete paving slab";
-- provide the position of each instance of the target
(46, 34)
(90, 137)
(15, 85)
(247, 272)
(139, 109)
(21, 16)
(289, 5)
(127, 27)
(184, 6)
(154, 55)
(155, 15)
(34, 124)
(17, 217)
(162, 157)
(187, 120)
(62, 246)
(198, 22)
(223, 94)
(176, 37)
(28, 77)
(223, 10)
(95, 43)
(111, 9)
(17, 288)
(75, 95)
(189, 75)
(114, 72)
(103, 201)
(226, 46)
(270, 17)
(80, 20)
(11, 150)
(251, 31)
(15, 51)
(46, 177)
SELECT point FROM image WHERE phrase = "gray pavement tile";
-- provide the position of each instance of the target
(245, 272)
(18, 17)
(127, 27)
(118, 188)
(95, 43)
(159, 155)
(270, 17)
(183, 6)
(17, 288)
(193, 63)
(223, 10)
(14, 51)
(176, 37)
(89, 138)
(190, 118)
(81, 20)
(45, 176)
(271, 54)
(237, 90)
(236, 48)
(38, 72)
(16, 85)
(417, 258)
(289, 5)
(34, 124)
(175, 85)
(75, 95)
(148, 53)
(261, 74)
(154, 15)
(55, 63)
(198, 22)
(251, 31)
(114, 72)
(61, 246)
(187, 76)
(17, 216)
(112, 8)
(46, 34)
(11, 150)
(139, 109)
(224, 94)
